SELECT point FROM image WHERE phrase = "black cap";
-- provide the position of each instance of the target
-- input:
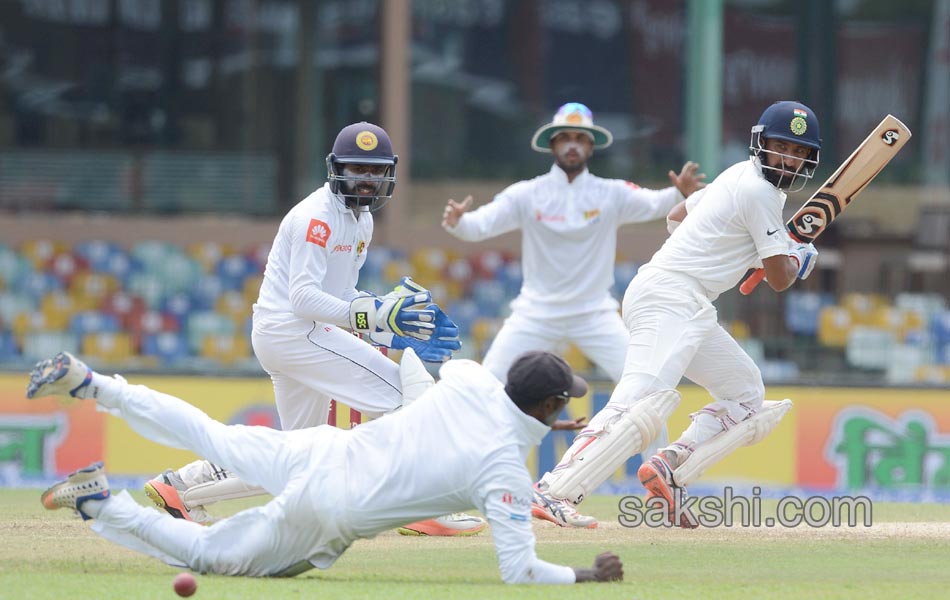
(536, 375)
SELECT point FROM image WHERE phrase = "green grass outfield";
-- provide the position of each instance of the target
(904, 554)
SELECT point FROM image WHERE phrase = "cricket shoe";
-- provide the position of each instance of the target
(85, 484)
(454, 525)
(165, 491)
(656, 475)
(560, 512)
(62, 375)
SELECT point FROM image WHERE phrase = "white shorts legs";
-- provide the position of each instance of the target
(601, 336)
(311, 363)
(260, 541)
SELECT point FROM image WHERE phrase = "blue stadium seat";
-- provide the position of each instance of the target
(8, 346)
(802, 310)
(97, 253)
(169, 347)
(940, 327)
(233, 270)
(205, 293)
(93, 322)
(37, 285)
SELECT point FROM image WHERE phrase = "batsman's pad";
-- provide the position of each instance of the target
(230, 488)
(751, 430)
(596, 453)
(413, 376)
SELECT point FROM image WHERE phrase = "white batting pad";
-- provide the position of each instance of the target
(413, 376)
(751, 430)
(595, 454)
(231, 488)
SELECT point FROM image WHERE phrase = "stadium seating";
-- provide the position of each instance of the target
(187, 307)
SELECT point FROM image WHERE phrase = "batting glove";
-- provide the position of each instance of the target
(806, 255)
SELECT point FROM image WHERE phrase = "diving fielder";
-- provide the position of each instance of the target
(333, 486)
(569, 220)
(733, 224)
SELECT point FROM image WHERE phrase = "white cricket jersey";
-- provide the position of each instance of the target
(569, 235)
(314, 262)
(731, 225)
(463, 443)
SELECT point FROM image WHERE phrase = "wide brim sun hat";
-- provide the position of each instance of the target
(572, 116)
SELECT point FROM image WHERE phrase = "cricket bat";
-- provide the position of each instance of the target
(842, 187)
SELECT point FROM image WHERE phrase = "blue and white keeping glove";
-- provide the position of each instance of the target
(440, 347)
(399, 313)
(806, 255)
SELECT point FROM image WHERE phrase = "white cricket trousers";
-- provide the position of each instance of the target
(302, 469)
(674, 332)
(311, 363)
(600, 335)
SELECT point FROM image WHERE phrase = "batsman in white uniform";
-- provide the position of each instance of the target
(569, 220)
(332, 486)
(308, 306)
(733, 224)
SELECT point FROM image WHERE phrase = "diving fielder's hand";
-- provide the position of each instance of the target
(454, 211)
(688, 181)
(607, 567)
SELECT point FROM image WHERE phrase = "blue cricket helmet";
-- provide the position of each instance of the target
(791, 122)
(362, 144)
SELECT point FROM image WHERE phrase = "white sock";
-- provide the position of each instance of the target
(102, 388)
(94, 507)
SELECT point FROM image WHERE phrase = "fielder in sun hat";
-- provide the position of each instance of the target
(571, 116)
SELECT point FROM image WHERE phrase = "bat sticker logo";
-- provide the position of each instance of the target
(809, 222)
(890, 137)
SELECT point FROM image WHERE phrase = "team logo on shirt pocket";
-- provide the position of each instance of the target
(318, 233)
(590, 215)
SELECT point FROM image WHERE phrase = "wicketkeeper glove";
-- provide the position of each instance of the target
(398, 313)
(806, 255)
(440, 347)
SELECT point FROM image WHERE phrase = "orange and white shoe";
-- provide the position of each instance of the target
(560, 512)
(85, 484)
(164, 492)
(454, 525)
(656, 475)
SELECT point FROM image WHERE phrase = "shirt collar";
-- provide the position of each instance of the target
(530, 431)
(561, 177)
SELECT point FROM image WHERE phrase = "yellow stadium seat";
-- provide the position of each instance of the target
(862, 307)
(233, 305)
(226, 349)
(739, 330)
(395, 270)
(92, 288)
(577, 359)
(108, 347)
(31, 322)
(900, 321)
(252, 288)
(59, 308)
(38, 252)
(834, 323)
(208, 254)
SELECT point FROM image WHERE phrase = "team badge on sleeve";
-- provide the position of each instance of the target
(318, 233)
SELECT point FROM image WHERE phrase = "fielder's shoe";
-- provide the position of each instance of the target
(456, 524)
(656, 475)
(62, 375)
(164, 492)
(85, 484)
(560, 512)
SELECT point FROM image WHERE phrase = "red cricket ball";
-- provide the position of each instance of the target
(185, 584)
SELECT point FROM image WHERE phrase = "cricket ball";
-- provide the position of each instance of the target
(185, 584)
